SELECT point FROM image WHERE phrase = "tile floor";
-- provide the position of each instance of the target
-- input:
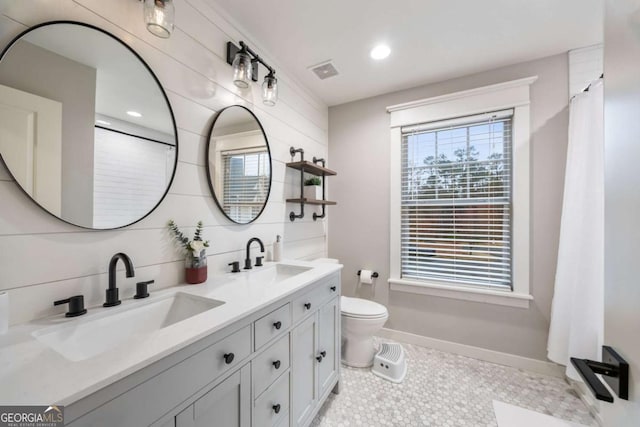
(443, 389)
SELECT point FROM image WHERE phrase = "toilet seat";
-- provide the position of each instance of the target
(359, 308)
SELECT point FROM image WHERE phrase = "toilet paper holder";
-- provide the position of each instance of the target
(374, 274)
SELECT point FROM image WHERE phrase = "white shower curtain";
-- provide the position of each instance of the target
(578, 301)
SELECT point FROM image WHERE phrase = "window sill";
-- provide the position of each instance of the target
(466, 293)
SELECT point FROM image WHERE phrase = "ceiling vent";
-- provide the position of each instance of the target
(324, 70)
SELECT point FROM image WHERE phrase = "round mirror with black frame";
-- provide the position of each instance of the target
(239, 164)
(86, 129)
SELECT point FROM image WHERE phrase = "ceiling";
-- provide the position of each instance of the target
(430, 40)
(123, 83)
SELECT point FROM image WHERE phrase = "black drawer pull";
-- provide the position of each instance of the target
(277, 325)
(276, 364)
(276, 408)
(319, 358)
(333, 289)
(307, 306)
(228, 358)
(323, 353)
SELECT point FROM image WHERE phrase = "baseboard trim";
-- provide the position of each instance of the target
(587, 398)
(500, 358)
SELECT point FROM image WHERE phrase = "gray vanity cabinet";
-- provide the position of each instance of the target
(315, 361)
(284, 362)
(226, 405)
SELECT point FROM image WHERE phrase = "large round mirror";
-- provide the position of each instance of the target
(239, 164)
(85, 127)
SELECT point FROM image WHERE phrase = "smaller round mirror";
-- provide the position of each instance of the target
(239, 164)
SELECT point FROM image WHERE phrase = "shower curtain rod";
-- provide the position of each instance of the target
(586, 89)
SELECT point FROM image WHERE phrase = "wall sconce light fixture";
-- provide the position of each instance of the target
(159, 17)
(245, 69)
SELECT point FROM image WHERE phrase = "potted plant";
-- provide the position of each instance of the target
(195, 262)
(313, 188)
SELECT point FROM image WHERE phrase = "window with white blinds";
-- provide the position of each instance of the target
(456, 200)
(246, 183)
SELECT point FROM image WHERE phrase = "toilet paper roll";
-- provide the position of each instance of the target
(366, 276)
(4, 312)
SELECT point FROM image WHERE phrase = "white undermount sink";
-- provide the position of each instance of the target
(276, 273)
(90, 336)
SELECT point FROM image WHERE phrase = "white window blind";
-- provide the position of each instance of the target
(456, 200)
(246, 182)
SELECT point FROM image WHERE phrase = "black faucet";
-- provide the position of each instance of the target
(112, 291)
(247, 261)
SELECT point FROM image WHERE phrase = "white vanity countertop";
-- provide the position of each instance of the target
(33, 374)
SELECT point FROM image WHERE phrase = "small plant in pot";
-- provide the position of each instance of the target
(313, 188)
(195, 252)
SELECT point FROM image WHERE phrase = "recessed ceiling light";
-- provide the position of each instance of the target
(380, 52)
(134, 114)
(103, 122)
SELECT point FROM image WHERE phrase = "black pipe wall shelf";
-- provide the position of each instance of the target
(318, 168)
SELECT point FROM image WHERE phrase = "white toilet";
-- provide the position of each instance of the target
(361, 320)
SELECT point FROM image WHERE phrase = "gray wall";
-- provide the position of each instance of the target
(74, 85)
(622, 198)
(359, 224)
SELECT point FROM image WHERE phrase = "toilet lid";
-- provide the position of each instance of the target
(358, 307)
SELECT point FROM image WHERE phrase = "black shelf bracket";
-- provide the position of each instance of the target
(614, 370)
(292, 214)
(324, 197)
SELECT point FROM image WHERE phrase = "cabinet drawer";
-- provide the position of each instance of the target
(270, 365)
(230, 351)
(272, 325)
(172, 386)
(313, 299)
(273, 405)
(330, 288)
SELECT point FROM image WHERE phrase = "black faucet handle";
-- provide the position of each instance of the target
(76, 305)
(259, 261)
(142, 290)
(235, 266)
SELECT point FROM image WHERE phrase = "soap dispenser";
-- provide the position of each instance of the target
(277, 249)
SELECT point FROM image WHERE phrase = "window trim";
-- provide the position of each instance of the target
(514, 95)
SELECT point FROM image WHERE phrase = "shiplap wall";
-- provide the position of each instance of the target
(43, 259)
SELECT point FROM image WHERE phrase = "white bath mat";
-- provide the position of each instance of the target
(514, 416)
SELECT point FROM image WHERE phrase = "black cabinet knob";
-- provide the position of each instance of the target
(333, 289)
(323, 353)
(228, 358)
(277, 325)
(307, 306)
(276, 408)
(319, 358)
(276, 364)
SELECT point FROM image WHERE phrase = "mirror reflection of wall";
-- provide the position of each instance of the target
(239, 164)
(85, 127)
